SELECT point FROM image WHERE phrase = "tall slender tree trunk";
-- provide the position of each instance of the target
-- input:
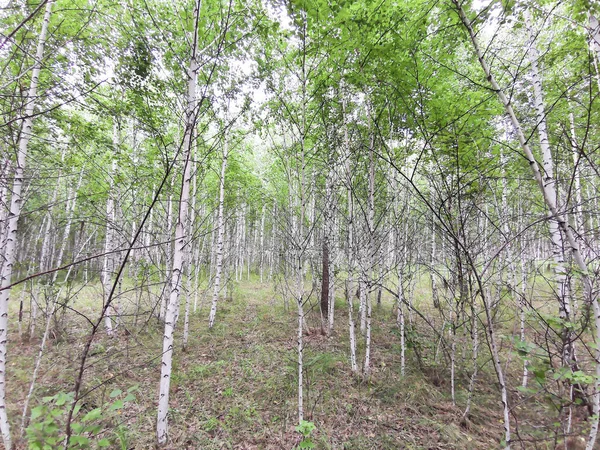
(523, 302)
(108, 260)
(577, 179)
(331, 301)
(325, 282)
(350, 256)
(400, 321)
(331, 269)
(434, 291)
(273, 247)
(327, 227)
(188, 293)
(13, 218)
(549, 188)
(371, 259)
(220, 233)
(180, 241)
(4, 208)
(45, 258)
(262, 242)
(474, 355)
(168, 255)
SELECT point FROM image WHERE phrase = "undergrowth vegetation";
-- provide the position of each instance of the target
(235, 385)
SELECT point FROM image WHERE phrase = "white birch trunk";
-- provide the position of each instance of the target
(475, 355)
(220, 233)
(371, 259)
(522, 304)
(549, 180)
(176, 273)
(189, 250)
(107, 264)
(434, 291)
(188, 259)
(400, 320)
(332, 256)
(300, 302)
(452, 336)
(273, 248)
(199, 252)
(577, 179)
(349, 281)
(262, 242)
(13, 218)
(45, 257)
(331, 300)
(168, 256)
(4, 210)
(362, 300)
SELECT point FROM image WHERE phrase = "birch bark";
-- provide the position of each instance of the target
(549, 183)
(169, 233)
(220, 233)
(371, 259)
(107, 264)
(189, 260)
(350, 257)
(577, 179)
(180, 241)
(4, 209)
(262, 242)
(13, 218)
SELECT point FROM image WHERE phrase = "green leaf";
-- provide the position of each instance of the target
(116, 405)
(79, 440)
(104, 443)
(37, 412)
(92, 415)
(306, 443)
(116, 393)
(62, 398)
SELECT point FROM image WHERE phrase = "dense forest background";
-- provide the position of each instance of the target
(299, 224)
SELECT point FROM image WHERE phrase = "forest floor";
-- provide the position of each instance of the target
(235, 387)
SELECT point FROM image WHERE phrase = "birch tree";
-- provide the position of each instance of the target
(180, 238)
(220, 233)
(13, 218)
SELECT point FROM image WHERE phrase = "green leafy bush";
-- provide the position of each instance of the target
(48, 421)
(305, 429)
